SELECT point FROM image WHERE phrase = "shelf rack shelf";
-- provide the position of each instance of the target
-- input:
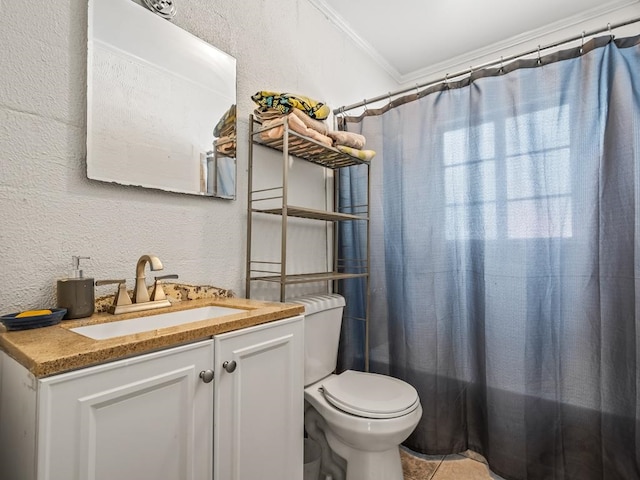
(301, 212)
(291, 143)
(303, 147)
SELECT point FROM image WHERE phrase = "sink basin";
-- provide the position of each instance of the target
(103, 331)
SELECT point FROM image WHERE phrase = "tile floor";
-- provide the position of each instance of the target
(466, 466)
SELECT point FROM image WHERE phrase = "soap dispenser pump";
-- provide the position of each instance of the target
(76, 293)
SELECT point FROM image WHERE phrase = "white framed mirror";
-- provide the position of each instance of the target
(155, 94)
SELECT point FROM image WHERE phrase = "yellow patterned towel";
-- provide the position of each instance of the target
(285, 102)
(365, 155)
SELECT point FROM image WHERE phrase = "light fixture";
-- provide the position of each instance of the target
(164, 8)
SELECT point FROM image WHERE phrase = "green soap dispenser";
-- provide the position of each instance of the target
(76, 293)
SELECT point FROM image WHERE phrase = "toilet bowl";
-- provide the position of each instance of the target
(369, 445)
(361, 417)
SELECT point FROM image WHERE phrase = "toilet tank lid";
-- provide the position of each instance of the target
(319, 303)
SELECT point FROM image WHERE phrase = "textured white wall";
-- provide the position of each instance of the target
(50, 211)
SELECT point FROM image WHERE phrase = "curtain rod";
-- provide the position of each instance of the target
(470, 70)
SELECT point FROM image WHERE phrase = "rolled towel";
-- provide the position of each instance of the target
(348, 139)
(365, 155)
(317, 125)
(226, 145)
(296, 125)
(263, 114)
(271, 129)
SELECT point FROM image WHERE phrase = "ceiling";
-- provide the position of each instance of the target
(411, 39)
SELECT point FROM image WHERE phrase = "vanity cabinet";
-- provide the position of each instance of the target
(149, 416)
(259, 405)
(153, 416)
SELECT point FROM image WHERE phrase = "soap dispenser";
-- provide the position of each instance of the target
(76, 293)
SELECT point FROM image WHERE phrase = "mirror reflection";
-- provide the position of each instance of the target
(160, 104)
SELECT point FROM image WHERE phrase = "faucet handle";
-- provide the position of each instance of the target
(158, 293)
(121, 297)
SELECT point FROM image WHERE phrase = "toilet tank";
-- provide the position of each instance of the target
(322, 321)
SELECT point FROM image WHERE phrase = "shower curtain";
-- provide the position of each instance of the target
(505, 262)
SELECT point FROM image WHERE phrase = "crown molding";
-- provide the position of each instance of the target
(471, 56)
(342, 25)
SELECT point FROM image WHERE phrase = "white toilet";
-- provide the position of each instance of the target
(361, 417)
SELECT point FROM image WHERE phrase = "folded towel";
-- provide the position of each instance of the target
(365, 155)
(285, 102)
(296, 125)
(227, 123)
(265, 113)
(226, 145)
(348, 139)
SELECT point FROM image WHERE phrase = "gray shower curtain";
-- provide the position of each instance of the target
(505, 262)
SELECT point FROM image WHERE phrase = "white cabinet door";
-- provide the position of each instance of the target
(259, 405)
(145, 418)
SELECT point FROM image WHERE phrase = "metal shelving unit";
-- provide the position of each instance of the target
(293, 144)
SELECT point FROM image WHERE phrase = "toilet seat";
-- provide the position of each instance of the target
(370, 395)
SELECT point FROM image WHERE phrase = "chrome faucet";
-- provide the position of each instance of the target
(140, 292)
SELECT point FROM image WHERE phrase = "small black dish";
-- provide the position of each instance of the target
(25, 323)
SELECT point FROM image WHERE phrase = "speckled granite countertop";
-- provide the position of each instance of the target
(52, 350)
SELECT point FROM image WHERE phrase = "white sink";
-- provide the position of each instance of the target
(102, 331)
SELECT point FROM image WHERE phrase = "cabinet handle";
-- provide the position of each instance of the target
(206, 376)
(229, 366)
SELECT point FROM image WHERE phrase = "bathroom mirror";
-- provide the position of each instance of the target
(155, 95)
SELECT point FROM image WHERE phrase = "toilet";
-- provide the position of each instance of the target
(359, 419)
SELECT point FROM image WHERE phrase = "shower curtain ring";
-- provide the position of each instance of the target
(446, 80)
(539, 56)
(364, 102)
(417, 90)
(610, 32)
(389, 98)
(582, 44)
(501, 65)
